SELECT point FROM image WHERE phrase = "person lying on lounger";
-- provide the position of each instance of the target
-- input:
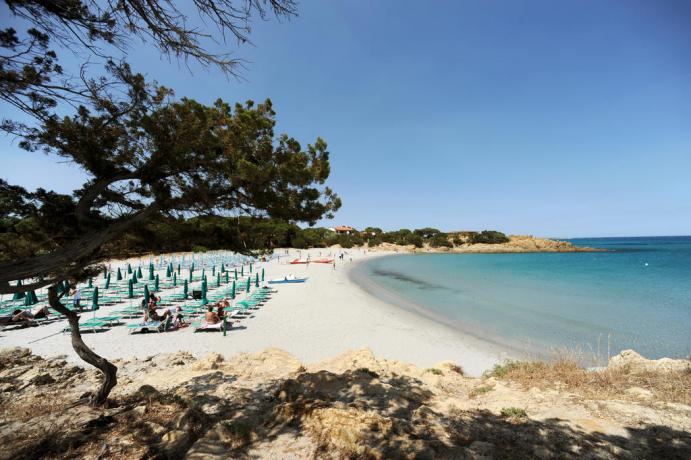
(211, 316)
(25, 315)
(154, 316)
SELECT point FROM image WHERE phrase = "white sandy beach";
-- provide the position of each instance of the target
(314, 321)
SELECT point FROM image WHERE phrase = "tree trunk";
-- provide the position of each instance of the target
(108, 370)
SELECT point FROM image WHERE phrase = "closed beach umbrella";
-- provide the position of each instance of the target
(129, 269)
(204, 300)
(30, 298)
(178, 269)
(156, 284)
(223, 268)
(191, 271)
(118, 275)
(227, 278)
(185, 289)
(139, 272)
(130, 289)
(175, 279)
(168, 271)
(107, 281)
(256, 280)
(262, 274)
(203, 274)
(105, 274)
(213, 270)
(134, 278)
(94, 299)
(249, 283)
(91, 283)
(18, 295)
(250, 268)
(242, 270)
(236, 273)
(232, 291)
(218, 280)
(151, 271)
(192, 266)
(146, 295)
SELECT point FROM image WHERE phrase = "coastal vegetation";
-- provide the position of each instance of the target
(147, 155)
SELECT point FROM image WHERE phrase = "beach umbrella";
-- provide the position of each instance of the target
(107, 281)
(129, 269)
(175, 279)
(242, 270)
(118, 276)
(94, 300)
(134, 278)
(178, 269)
(232, 292)
(130, 289)
(185, 289)
(223, 268)
(191, 271)
(192, 266)
(249, 283)
(91, 283)
(227, 278)
(256, 280)
(139, 272)
(218, 280)
(151, 271)
(236, 273)
(30, 298)
(203, 274)
(146, 295)
(18, 295)
(262, 274)
(156, 283)
(168, 271)
(105, 274)
(213, 270)
(250, 268)
(204, 300)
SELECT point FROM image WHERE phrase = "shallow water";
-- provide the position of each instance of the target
(637, 295)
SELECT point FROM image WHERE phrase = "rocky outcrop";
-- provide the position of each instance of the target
(633, 362)
(269, 405)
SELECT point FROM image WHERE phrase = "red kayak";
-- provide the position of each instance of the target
(323, 261)
(299, 261)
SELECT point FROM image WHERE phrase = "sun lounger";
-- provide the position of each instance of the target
(204, 326)
(157, 326)
(92, 325)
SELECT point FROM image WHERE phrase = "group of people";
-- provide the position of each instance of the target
(25, 316)
(214, 314)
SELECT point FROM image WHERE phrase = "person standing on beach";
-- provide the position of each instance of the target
(76, 300)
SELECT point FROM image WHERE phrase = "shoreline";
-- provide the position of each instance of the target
(324, 317)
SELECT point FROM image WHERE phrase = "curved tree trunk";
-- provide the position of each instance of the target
(108, 370)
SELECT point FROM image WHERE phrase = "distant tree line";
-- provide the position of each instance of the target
(244, 234)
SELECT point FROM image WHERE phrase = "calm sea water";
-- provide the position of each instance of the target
(637, 295)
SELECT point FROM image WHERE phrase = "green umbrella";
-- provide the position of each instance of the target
(175, 279)
(185, 290)
(249, 283)
(151, 271)
(256, 280)
(227, 278)
(204, 300)
(18, 295)
(118, 276)
(146, 295)
(105, 274)
(242, 270)
(223, 268)
(178, 269)
(250, 268)
(139, 272)
(262, 274)
(191, 271)
(94, 299)
(134, 278)
(168, 271)
(129, 269)
(236, 273)
(192, 266)
(203, 274)
(213, 270)
(91, 283)
(107, 281)
(232, 291)
(30, 298)
(130, 289)
(156, 283)
(218, 280)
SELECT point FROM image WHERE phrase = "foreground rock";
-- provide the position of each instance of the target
(269, 405)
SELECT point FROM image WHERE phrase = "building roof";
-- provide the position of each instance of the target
(344, 228)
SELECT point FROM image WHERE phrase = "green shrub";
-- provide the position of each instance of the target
(489, 237)
(513, 412)
(440, 240)
(435, 371)
(481, 390)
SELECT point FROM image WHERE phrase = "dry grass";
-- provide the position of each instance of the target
(608, 383)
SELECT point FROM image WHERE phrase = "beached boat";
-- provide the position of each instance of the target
(323, 261)
(286, 280)
(299, 261)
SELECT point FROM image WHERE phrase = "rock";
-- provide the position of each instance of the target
(42, 379)
(174, 443)
(209, 362)
(139, 410)
(542, 452)
(634, 362)
(146, 392)
(479, 450)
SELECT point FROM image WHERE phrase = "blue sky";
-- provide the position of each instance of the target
(563, 119)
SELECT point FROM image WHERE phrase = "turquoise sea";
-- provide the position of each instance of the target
(637, 295)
